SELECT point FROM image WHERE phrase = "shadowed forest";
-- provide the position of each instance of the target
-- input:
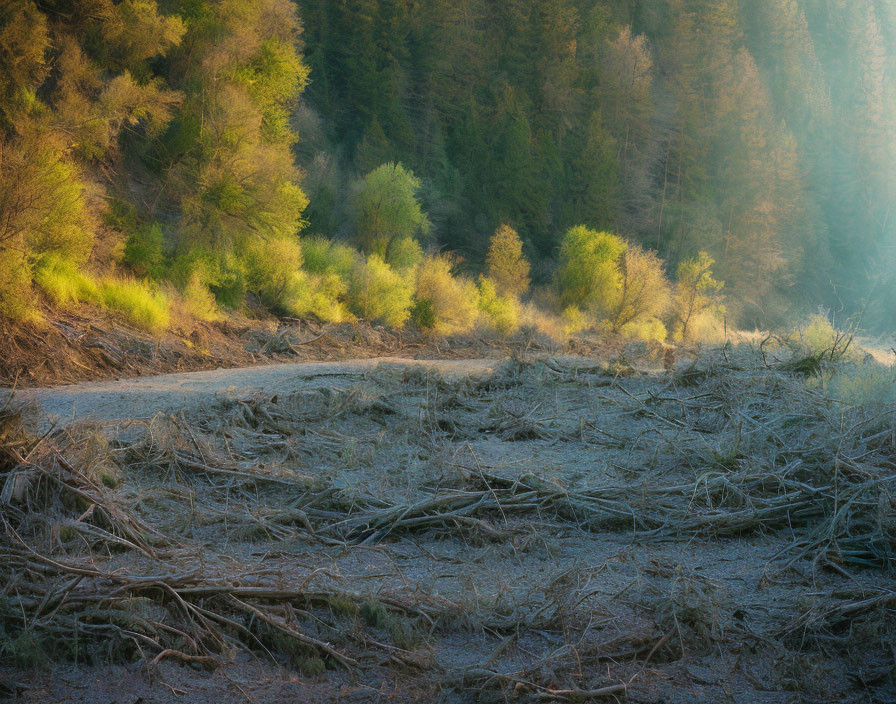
(425, 161)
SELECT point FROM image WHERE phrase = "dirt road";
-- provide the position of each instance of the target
(144, 397)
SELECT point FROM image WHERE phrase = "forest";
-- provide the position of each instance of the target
(655, 167)
(450, 351)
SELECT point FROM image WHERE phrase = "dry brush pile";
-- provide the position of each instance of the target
(574, 488)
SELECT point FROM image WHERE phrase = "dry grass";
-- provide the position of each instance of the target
(528, 535)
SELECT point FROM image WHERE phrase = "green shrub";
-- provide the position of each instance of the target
(647, 329)
(621, 285)
(405, 253)
(227, 278)
(817, 345)
(191, 273)
(501, 312)
(707, 326)
(325, 257)
(187, 265)
(224, 275)
(134, 300)
(576, 321)
(643, 295)
(16, 297)
(137, 303)
(819, 335)
(143, 251)
(321, 287)
(819, 338)
(43, 211)
(542, 321)
(380, 294)
(318, 295)
(588, 275)
(271, 269)
(423, 313)
(451, 304)
(697, 303)
(198, 300)
(45, 202)
(385, 208)
(63, 282)
(328, 299)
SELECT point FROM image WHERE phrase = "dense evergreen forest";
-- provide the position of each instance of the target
(226, 147)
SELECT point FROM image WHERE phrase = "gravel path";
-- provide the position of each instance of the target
(144, 397)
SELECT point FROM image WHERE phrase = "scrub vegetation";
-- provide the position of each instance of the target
(599, 163)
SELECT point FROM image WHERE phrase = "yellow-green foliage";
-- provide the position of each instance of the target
(507, 267)
(698, 310)
(404, 254)
(819, 337)
(272, 267)
(322, 287)
(707, 326)
(501, 312)
(325, 257)
(444, 304)
(318, 295)
(224, 274)
(542, 321)
(136, 32)
(242, 183)
(861, 384)
(93, 108)
(16, 300)
(380, 294)
(134, 300)
(43, 207)
(648, 329)
(576, 321)
(139, 304)
(43, 212)
(274, 76)
(588, 275)
(385, 208)
(72, 83)
(620, 285)
(143, 251)
(198, 300)
(275, 272)
(64, 283)
(26, 44)
(642, 297)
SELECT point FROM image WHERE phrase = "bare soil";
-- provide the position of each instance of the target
(531, 529)
(141, 398)
(86, 345)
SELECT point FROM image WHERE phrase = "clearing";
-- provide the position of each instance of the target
(140, 398)
(530, 529)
